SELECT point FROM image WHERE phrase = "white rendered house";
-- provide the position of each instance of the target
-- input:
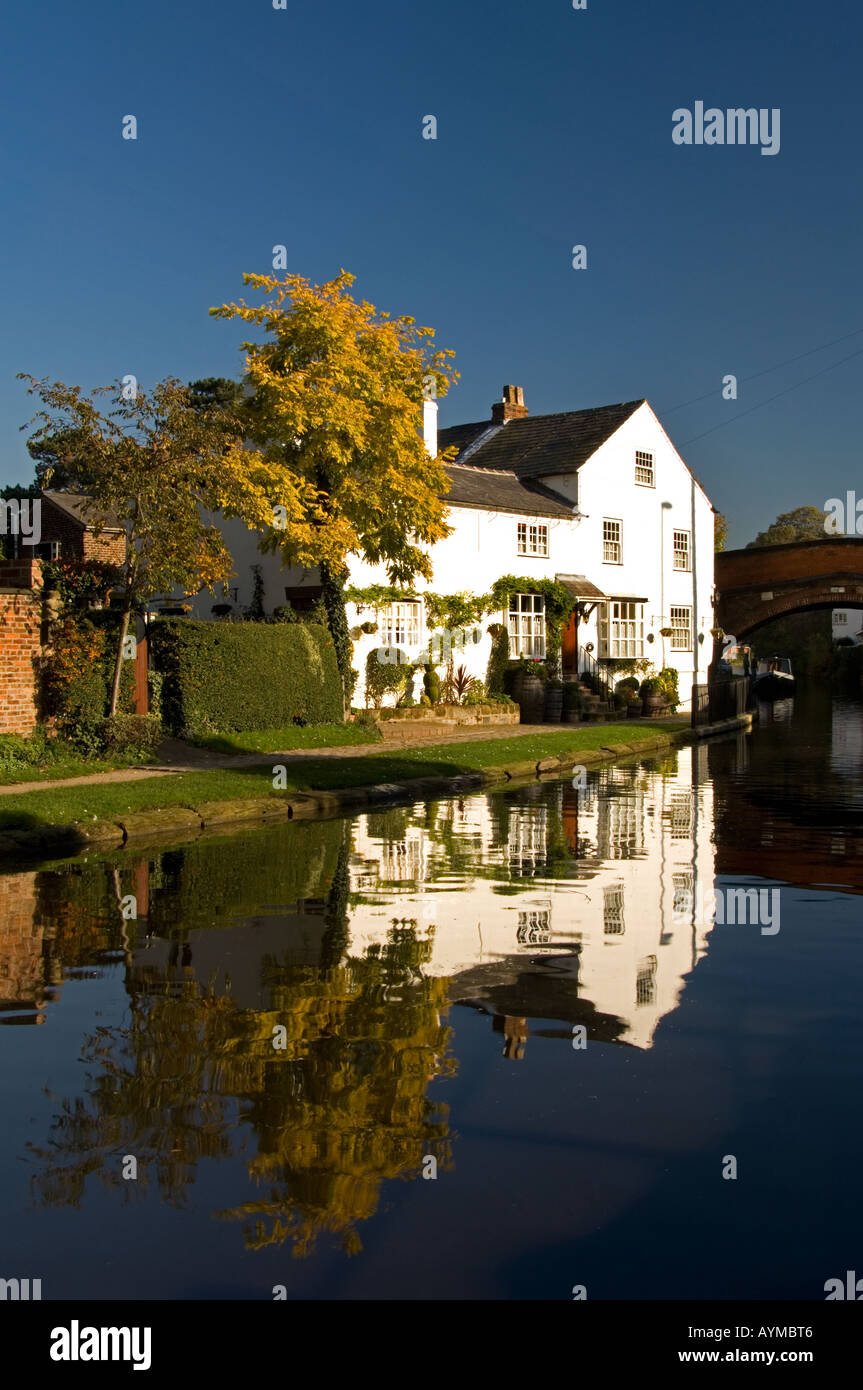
(847, 622)
(599, 499)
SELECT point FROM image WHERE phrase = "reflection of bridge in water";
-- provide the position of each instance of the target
(784, 812)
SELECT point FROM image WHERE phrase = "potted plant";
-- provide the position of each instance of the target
(528, 690)
(665, 632)
(653, 697)
(668, 678)
(368, 628)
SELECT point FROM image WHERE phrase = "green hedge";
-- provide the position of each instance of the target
(235, 677)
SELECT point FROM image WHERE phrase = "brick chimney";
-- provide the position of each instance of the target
(511, 407)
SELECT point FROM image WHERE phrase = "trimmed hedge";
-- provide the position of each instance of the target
(234, 677)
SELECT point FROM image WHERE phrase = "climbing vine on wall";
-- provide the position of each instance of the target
(559, 603)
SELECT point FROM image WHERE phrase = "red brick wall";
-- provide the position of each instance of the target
(777, 564)
(109, 547)
(20, 644)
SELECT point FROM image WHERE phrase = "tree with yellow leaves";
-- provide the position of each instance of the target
(335, 462)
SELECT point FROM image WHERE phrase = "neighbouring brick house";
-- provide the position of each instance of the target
(20, 644)
(68, 533)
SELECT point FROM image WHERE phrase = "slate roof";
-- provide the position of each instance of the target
(541, 445)
(500, 491)
(76, 505)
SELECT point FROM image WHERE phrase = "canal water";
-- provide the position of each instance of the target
(602, 1037)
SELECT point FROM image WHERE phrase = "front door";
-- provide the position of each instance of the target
(569, 650)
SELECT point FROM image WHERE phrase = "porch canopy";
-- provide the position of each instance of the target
(585, 593)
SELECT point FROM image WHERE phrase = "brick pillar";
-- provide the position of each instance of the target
(20, 644)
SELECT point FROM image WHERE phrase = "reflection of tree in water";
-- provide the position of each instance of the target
(339, 1110)
(345, 1105)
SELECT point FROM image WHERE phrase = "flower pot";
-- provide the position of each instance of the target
(572, 716)
(633, 709)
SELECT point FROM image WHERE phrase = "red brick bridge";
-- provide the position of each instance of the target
(753, 586)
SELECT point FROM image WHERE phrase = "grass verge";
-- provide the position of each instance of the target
(294, 736)
(64, 806)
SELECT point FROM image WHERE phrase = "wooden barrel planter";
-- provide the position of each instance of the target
(553, 705)
(515, 688)
(531, 699)
(633, 709)
(654, 705)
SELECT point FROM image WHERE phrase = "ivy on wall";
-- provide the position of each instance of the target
(458, 612)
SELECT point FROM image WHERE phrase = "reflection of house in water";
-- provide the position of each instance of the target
(547, 903)
(30, 969)
(22, 975)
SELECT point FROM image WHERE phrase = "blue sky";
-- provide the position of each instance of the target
(303, 127)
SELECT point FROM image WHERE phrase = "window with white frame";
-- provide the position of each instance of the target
(534, 927)
(644, 468)
(681, 550)
(621, 629)
(532, 538)
(611, 546)
(526, 625)
(681, 629)
(612, 910)
(399, 625)
(682, 901)
(840, 618)
(645, 981)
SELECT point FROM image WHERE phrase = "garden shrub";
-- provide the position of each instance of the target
(498, 660)
(17, 752)
(132, 735)
(234, 677)
(383, 676)
(668, 680)
(431, 685)
(76, 685)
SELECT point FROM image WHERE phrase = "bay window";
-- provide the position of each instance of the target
(621, 629)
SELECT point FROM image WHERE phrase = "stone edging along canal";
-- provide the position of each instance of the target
(179, 823)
